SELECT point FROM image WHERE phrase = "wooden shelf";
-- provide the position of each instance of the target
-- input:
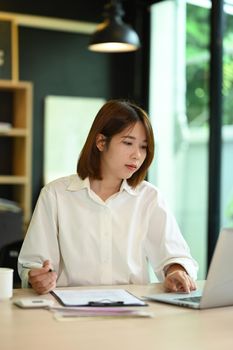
(16, 143)
(13, 180)
(14, 132)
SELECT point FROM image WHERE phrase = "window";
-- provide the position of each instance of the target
(179, 108)
(179, 111)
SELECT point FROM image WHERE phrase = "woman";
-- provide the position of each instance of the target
(104, 224)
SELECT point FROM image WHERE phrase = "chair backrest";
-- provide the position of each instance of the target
(9, 258)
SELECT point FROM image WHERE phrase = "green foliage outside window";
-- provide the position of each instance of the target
(228, 71)
(197, 66)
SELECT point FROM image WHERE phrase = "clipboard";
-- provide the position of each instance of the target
(96, 298)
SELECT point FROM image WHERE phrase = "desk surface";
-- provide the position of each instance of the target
(171, 328)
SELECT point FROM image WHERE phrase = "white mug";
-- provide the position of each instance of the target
(6, 283)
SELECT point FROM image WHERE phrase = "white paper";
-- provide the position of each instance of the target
(102, 296)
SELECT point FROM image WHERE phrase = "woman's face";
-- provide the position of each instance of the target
(125, 153)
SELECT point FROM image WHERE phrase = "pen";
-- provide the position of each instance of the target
(34, 266)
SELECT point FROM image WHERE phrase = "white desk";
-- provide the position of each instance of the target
(172, 328)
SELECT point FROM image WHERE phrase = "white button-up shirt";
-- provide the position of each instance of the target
(94, 242)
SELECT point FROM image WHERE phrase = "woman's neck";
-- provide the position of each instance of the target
(104, 188)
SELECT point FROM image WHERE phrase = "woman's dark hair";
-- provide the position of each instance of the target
(113, 118)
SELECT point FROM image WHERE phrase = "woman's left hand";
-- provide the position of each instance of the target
(178, 280)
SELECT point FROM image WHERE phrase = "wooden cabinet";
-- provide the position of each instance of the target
(16, 143)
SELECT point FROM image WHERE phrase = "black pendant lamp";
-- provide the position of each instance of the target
(113, 35)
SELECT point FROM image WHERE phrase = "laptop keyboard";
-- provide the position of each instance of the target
(192, 299)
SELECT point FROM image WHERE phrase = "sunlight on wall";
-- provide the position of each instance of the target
(67, 123)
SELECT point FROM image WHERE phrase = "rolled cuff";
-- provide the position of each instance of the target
(24, 278)
(190, 266)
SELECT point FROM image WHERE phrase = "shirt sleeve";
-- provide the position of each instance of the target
(41, 240)
(165, 244)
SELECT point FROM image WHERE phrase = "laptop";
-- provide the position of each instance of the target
(218, 287)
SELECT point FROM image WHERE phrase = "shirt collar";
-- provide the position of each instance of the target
(126, 187)
(77, 184)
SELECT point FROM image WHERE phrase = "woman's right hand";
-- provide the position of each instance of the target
(43, 280)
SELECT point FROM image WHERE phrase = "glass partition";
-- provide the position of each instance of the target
(179, 111)
(227, 121)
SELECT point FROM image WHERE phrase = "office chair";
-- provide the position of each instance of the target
(9, 258)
